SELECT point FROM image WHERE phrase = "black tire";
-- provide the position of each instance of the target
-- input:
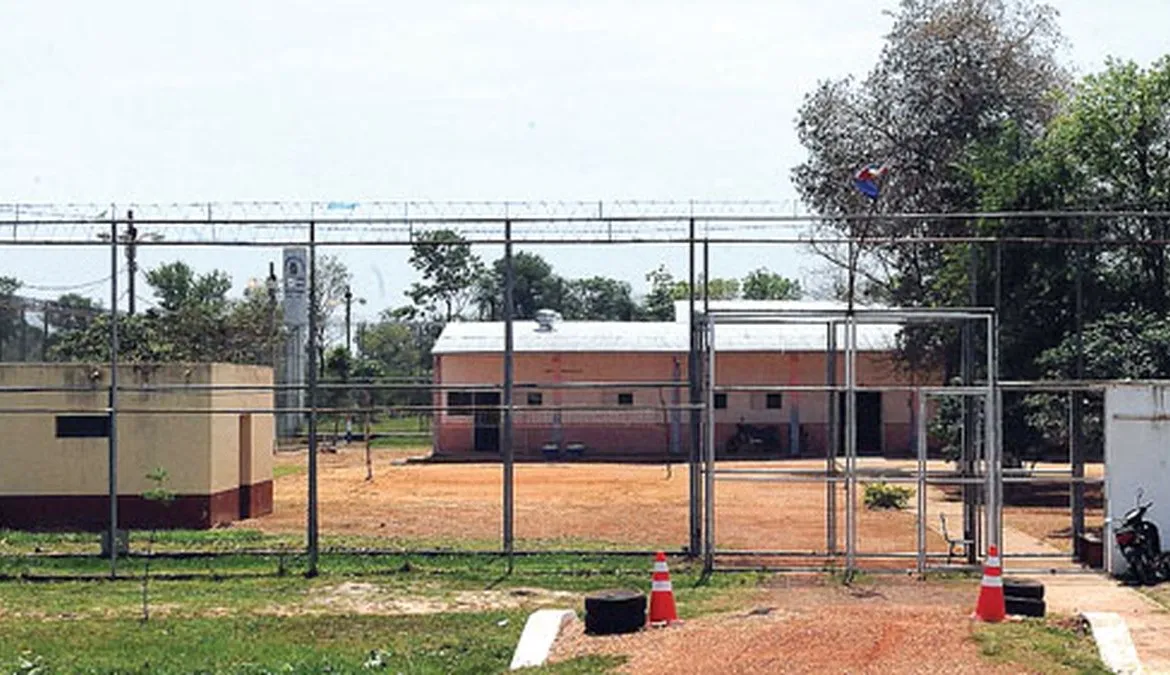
(1143, 572)
(614, 612)
(1023, 588)
(1025, 606)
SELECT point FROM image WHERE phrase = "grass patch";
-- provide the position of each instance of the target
(282, 470)
(269, 623)
(1053, 645)
(443, 643)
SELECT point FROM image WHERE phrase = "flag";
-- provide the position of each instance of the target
(866, 180)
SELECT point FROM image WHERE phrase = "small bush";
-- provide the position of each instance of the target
(884, 496)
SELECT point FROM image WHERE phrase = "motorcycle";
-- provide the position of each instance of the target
(1141, 545)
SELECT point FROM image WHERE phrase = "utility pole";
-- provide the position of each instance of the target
(131, 256)
(271, 286)
(348, 309)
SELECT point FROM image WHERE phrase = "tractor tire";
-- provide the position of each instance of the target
(1023, 588)
(1025, 606)
(614, 612)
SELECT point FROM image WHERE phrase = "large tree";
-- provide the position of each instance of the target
(951, 74)
(450, 271)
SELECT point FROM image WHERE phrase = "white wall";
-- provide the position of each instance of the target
(1137, 455)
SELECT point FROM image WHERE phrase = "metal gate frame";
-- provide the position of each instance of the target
(849, 319)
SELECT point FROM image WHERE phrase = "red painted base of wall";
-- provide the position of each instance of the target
(91, 513)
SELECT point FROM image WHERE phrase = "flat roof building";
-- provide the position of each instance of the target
(218, 465)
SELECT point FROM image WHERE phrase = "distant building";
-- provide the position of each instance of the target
(219, 464)
(550, 352)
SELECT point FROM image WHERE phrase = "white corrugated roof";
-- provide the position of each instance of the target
(656, 336)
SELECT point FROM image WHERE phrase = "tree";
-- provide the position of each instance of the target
(762, 284)
(534, 287)
(178, 288)
(599, 299)
(10, 305)
(659, 302)
(449, 270)
(194, 321)
(332, 278)
(951, 75)
(72, 312)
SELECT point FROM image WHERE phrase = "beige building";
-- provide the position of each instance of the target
(219, 465)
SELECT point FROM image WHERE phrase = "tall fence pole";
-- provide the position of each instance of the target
(832, 438)
(693, 378)
(1076, 408)
(312, 536)
(509, 376)
(113, 396)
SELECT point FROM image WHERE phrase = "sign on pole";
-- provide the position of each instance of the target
(296, 287)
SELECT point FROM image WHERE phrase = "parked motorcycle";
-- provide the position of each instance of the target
(1141, 545)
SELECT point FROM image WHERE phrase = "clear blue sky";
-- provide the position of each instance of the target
(158, 101)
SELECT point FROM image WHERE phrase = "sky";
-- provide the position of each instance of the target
(167, 101)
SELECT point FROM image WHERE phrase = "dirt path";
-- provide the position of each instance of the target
(895, 627)
(1149, 622)
(619, 504)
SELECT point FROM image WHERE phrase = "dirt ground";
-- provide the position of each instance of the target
(803, 626)
(564, 504)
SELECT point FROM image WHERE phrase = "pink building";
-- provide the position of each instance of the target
(601, 390)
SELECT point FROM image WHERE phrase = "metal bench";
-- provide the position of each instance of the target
(550, 451)
(953, 542)
(575, 450)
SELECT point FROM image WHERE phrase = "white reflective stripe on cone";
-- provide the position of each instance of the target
(660, 586)
(994, 582)
(660, 567)
(993, 562)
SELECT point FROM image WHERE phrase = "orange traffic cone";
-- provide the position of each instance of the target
(990, 606)
(662, 609)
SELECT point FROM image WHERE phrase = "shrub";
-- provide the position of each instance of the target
(884, 496)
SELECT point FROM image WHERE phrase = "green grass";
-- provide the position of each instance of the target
(444, 643)
(290, 624)
(1053, 645)
(419, 429)
(282, 470)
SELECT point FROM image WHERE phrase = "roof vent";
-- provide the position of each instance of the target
(546, 319)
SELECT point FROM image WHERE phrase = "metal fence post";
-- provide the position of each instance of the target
(509, 456)
(113, 396)
(312, 538)
(695, 398)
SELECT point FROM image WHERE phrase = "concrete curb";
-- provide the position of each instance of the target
(1114, 642)
(540, 631)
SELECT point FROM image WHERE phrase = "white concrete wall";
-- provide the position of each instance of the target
(1137, 455)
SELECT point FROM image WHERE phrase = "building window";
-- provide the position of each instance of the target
(459, 403)
(626, 399)
(774, 401)
(535, 398)
(720, 401)
(83, 426)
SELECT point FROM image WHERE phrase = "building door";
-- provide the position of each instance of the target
(245, 482)
(869, 423)
(487, 421)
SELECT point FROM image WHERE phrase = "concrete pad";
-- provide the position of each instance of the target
(540, 632)
(1113, 642)
(1148, 622)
